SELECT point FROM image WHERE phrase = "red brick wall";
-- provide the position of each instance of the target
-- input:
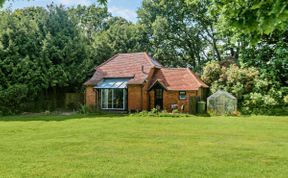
(90, 96)
(172, 97)
(140, 99)
(151, 99)
(135, 99)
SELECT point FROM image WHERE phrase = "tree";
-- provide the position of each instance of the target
(253, 18)
(181, 33)
(120, 36)
(43, 51)
(90, 19)
(104, 2)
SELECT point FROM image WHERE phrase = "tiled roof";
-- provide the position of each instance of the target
(177, 79)
(125, 66)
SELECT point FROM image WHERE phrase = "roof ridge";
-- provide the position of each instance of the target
(196, 78)
(174, 68)
(150, 59)
(131, 53)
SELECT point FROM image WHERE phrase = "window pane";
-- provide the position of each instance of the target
(158, 93)
(104, 98)
(110, 99)
(182, 95)
(118, 98)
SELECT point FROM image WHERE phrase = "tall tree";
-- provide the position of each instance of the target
(120, 36)
(104, 2)
(90, 19)
(253, 18)
(181, 33)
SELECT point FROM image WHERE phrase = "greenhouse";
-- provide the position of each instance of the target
(221, 103)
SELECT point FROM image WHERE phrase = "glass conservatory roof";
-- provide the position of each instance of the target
(113, 83)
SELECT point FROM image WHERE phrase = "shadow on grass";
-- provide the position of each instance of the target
(57, 117)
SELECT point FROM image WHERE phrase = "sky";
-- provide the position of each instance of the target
(123, 8)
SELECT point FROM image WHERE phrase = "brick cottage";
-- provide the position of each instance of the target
(135, 82)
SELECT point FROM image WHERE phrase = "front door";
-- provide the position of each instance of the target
(159, 98)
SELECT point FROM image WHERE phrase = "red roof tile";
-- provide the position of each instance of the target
(177, 79)
(124, 66)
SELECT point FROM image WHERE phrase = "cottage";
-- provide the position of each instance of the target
(135, 82)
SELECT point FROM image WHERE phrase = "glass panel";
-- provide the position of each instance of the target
(125, 98)
(182, 95)
(110, 98)
(113, 98)
(117, 84)
(101, 98)
(159, 93)
(123, 85)
(118, 99)
(104, 98)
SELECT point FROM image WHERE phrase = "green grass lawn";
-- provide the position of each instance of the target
(125, 146)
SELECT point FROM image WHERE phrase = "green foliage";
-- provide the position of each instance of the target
(155, 113)
(12, 98)
(120, 36)
(254, 18)
(180, 32)
(286, 99)
(211, 72)
(104, 2)
(84, 109)
(43, 49)
(54, 50)
(256, 93)
(175, 111)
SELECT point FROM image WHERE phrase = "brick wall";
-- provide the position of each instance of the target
(140, 99)
(152, 99)
(172, 97)
(135, 100)
(90, 96)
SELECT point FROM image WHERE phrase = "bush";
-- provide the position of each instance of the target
(84, 109)
(286, 99)
(156, 113)
(256, 91)
(12, 98)
(175, 111)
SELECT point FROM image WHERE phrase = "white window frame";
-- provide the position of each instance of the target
(107, 98)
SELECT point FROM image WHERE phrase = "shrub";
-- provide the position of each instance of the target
(12, 98)
(257, 92)
(286, 99)
(154, 111)
(163, 113)
(175, 111)
(84, 109)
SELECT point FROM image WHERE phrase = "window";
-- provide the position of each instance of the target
(113, 99)
(159, 93)
(182, 95)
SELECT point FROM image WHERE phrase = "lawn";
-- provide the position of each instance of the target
(125, 146)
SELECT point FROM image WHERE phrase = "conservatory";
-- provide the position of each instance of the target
(113, 93)
(221, 103)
